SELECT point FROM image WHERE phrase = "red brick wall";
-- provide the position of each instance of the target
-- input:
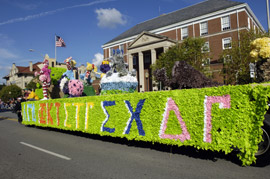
(197, 30)
(214, 26)
(243, 19)
(171, 34)
(190, 31)
(233, 18)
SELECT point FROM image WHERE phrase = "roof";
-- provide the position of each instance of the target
(180, 15)
(26, 70)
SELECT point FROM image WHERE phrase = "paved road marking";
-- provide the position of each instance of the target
(46, 151)
(7, 118)
(16, 120)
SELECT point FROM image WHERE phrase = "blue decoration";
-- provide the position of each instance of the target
(124, 86)
(69, 74)
(135, 115)
(103, 105)
(31, 106)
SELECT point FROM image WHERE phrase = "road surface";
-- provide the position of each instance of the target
(31, 152)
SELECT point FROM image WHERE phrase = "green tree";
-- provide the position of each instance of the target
(8, 92)
(2, 86)
(32, 84)
(237, 59)
(191, 50)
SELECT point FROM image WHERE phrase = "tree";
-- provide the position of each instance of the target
(237, 59)
(2, 86)
(191, 50)
(32, 84)
(9, 92)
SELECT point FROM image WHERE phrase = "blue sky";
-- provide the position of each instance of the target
(85, 25)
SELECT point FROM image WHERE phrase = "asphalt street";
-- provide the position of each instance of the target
(31, 152)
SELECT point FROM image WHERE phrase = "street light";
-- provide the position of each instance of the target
(252, 71)
(147, 76)
(32, 50)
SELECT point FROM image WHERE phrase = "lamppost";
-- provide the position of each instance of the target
(33, 50)
(147, 76)
(267, 9)
(252, 71)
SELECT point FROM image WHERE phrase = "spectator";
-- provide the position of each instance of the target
(18, 109)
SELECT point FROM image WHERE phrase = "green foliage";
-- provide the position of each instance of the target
(238, 126)
(9, 92)
(32, 84)
(2, 86)
(56, 74)
(236, 60)
(191, 50)
(39, 93)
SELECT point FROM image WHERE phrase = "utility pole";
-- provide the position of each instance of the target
(267, 8)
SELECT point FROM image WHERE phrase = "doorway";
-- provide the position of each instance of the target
(147, 71)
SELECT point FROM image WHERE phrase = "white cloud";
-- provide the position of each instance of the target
(35, 16)
(6, 54)
(110, 18)
(98, 59)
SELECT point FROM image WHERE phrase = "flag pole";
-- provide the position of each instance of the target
(55, 46)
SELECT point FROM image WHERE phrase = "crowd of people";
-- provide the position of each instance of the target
(5, 106)
(14, 105)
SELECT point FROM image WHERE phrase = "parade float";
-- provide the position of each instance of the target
(118, 79)
(221, 118)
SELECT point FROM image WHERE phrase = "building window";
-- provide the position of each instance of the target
(206, 47)
(225, 23)
(184, 33)
(204, 28)
(227, 43)
(248, 22)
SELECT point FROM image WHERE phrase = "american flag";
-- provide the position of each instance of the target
(59, 42)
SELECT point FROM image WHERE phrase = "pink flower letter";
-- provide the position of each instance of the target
(171, 105)
(225, 102)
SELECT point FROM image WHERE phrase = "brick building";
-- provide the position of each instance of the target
(219, 22)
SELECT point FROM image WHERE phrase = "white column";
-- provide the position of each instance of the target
(153, 56)
(154, 59)
(130, 62)
(141, 71)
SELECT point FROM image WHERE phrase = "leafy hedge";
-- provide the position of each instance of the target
(56, 73)
(217, 119)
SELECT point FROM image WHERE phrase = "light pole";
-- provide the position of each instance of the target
(33, 50)
(146, 76)
(252, 71)
(267, 8)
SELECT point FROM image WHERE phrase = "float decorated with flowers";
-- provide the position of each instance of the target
(218, 118)
(117, 79)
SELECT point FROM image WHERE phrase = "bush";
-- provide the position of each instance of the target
(9, 92)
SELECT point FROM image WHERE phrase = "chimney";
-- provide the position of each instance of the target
(30, 66)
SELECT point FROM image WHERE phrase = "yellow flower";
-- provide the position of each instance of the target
(254, 54)
(260, 48)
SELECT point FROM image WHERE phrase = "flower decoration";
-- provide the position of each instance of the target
(260, 48)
